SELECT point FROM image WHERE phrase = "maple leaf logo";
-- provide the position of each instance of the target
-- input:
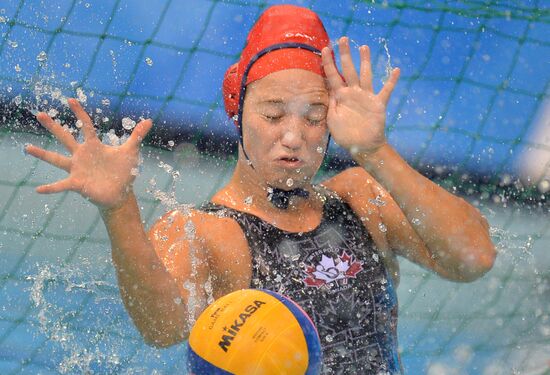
(329, 270)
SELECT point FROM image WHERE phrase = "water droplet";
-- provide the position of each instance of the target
(329, 338)
(3, 19)
(42, 56)
(113, 139)
(17, 68)
(377, 201)
(134, 171)
(416, 221)
(171, 143)
(87, 5)
(128, 123)
(382, 227)
(375, 257)
(79, 124)
(289, 182)
(13, 43)
(52, 112)
(149, 61)
(46, 209)
(544, 186)
(80, 95)
(167, 167)
(105, 102)
(56, 94)
(105, 119)
(320, 149)
(18, 100)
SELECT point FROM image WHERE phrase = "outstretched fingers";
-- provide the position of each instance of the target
(56, 187)
(139, 133)
(334, 79)
(366, 68)
(348, 68)
(81, 115)
(53, 158)
(386, 91)
(65, 137)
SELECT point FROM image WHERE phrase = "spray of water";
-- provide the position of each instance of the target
(195, 302)
(54, 292)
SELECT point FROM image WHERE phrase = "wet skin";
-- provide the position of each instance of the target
(283, 127)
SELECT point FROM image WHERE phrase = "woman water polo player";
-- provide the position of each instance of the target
(330, 247)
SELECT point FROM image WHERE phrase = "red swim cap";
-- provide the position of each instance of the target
(293, 37)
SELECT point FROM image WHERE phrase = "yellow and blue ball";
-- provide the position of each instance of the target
(254, 331)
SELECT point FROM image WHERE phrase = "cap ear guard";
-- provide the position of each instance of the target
(231, 92)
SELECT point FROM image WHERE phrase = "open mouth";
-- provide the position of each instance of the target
(290, 162)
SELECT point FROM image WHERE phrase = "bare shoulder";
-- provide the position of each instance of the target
(350, 183)
(365, 197)
(356, 187)
(218, 236)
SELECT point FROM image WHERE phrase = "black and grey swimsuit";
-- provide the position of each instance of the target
(337, 276)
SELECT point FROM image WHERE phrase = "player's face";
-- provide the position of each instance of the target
(284, 126)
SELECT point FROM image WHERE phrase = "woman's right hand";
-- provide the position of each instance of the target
(100, 173)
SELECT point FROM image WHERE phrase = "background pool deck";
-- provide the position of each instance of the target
(60, 310)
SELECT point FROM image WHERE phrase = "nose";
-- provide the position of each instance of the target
(292, 133)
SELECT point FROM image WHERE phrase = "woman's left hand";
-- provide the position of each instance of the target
(356, 116)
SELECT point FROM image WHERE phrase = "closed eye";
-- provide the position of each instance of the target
(272, 118)
(315, 121)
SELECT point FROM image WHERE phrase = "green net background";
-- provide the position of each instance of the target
(469, 112)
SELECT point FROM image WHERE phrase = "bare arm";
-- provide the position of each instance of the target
(152, 289)
(453, 232)
(149, 290)
(424, 222)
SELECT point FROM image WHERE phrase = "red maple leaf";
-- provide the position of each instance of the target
(345, 257)
(354, 269)
(310, 281)
(354, 266)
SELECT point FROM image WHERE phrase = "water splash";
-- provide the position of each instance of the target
(128, 123)
(42, 57)
(53, 293)
(512, 245)
(388, 67)
(195, 300)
